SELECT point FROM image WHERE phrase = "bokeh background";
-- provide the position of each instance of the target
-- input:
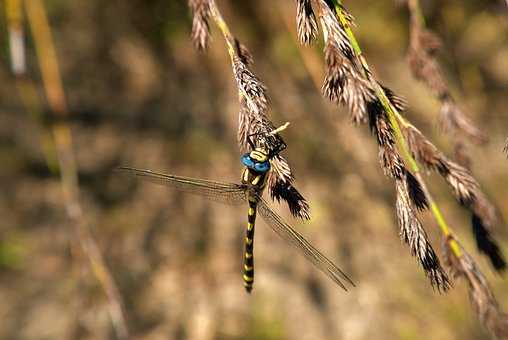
(141, 95)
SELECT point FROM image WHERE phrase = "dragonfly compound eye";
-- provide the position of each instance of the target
(262, 167)
(247, 161)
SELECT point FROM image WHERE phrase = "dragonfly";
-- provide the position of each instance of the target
(256, 167)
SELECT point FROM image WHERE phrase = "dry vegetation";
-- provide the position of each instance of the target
(86, 254)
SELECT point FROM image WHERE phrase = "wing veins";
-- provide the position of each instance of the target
(229, 193)
(286, 232)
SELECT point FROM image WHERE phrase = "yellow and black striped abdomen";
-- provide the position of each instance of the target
(248, 254)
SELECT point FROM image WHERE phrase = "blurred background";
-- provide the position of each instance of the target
(140, 95)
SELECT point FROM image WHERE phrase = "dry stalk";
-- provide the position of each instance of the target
(253, 99)
(14, 16)
(422, 60)
(25, 87)
(62, 138)
(350, 82)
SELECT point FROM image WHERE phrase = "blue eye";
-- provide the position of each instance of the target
(247, 161)
(262, 167)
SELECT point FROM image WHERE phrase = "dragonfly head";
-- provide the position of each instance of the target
(257, 160)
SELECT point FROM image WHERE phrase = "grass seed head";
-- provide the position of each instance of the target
(413, 234)
(200, 34)
(482, 299)
(306, 22)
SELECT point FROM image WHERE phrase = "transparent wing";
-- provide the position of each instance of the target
(286, 232)
(228, 193)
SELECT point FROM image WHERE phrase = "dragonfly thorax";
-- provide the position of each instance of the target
(257, 165)
(257, 160)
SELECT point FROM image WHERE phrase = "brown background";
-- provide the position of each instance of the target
(142, 96)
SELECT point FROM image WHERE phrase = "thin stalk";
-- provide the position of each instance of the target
(62, 136)
(14, 15)
(25, 86)
(396, 120)
(228, 37)
(223, 27)
(414, 6)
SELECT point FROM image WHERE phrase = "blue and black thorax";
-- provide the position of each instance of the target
(257, 167)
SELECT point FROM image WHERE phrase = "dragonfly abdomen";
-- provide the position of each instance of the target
(248, 254)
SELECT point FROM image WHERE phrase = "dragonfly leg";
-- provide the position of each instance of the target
(248, 255)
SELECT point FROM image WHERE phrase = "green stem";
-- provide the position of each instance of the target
(394, 117)
(223, 27)
(230, 40)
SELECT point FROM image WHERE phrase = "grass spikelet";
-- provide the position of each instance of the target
(424, 151)
(413, 234)
(306, 22)
(453, 120)
(416, 193)
(281, 187)
(396, 136)
(391, 162)
(336, 72)
(282, 170)
(333, 32)
(254, 105)
(243, 53)
(253, 100)
(344, 85)
(460, 153)
(297, 205)
(464, 187)
(379, 124)
(243, 123)
(482, 299)
(399, 102)
(487, 244)
(250, 86)
(467, 192)
(280, 180)
(425, 67)
(423, 63)
(201, 12)
(484, 217)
